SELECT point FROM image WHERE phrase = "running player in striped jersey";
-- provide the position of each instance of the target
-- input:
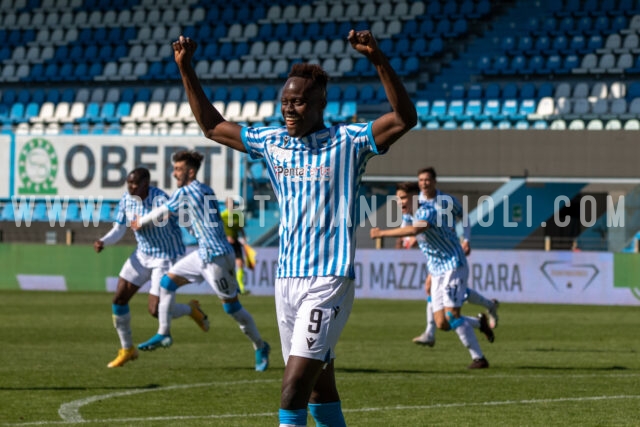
(157, 250)
(433, 226)
(315, 172)
(213, 262)
(429, 194)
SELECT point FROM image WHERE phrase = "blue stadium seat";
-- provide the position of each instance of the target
(438, 109)
(422, 109)
(475, 91)
(350, 93)
(517, 64)
(367, 94)
(457, 91)
(492, 91)
(510, 90)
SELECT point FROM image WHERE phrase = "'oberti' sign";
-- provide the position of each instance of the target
(82, 166)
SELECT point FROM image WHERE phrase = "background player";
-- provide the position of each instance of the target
(212, 262)
(156, 251)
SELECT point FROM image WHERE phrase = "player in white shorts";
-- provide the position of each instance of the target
(214, 261)
(313, 169)
(447, 264)
(429, 194)
(319, 301)
(156, 252)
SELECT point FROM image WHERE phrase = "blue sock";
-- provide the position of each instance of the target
(327, 414)
(295, 417)
(119, 310)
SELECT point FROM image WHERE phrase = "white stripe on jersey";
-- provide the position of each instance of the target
(161, 242)
(439, 241)
(199, 202)
(316, 180)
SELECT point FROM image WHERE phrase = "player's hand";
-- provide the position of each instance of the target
(363, 42)
(135, 223)
(183, 49)
(98, 246)
(375, 233)
(466, 247)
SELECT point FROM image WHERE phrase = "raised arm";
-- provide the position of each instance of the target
(214, 126)
(409, 230)
(389, 127)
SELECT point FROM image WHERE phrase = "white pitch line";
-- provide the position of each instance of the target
(378, 409)
(70, 412)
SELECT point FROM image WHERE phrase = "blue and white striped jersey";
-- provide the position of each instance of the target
(454, 206)
(439, 241)
(197, 204)
(316, 180)
(160, 242)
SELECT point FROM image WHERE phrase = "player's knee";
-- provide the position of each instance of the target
(168, 284)
(232, 307)
(442, 324)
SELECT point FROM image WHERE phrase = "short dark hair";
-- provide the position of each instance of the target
(409, 187)
(430, 170)
(312, 72)
(141, 174)
(193, 159)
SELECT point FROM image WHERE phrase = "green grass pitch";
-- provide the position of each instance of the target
(550, 365)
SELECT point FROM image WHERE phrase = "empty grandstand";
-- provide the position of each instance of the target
(512, 95)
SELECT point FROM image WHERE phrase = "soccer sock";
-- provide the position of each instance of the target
(327, 414)
(468, 338)
(122, 322)
(293, 417)
(245, 321)
(474, 297)
(240, 279)
(167, 300)
(431, 323)
(180, 310)
(474, 322)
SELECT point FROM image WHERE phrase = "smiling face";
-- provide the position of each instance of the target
(302, 107)
(137, 186)
(183, 174)
(407, 200)
(427, 184)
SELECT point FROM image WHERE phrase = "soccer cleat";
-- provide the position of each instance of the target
(484, 327)
(262, 357)
(493, 314)
(156, 341)
(198, 315)
(124, 355)
(479, 364)
(425, 339)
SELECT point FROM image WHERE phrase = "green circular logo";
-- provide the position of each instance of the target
(38, 167)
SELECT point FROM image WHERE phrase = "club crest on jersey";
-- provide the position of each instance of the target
(279, 154)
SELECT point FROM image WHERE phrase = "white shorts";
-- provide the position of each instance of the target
(220, 274)
(448, 289)
(140, 268)
(312, 312)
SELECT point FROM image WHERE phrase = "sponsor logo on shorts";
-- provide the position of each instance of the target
(310, 342)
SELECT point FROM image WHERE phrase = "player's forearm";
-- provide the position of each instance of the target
(155, 215)
(399, 232)
(396, 93)
(204, 112)
(114, 235)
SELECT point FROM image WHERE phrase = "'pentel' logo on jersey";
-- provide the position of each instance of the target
(310, 342)
(304, 173)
